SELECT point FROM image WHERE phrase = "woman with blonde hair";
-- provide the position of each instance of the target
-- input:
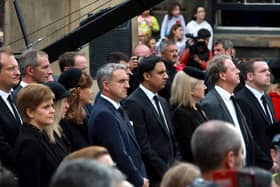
(54, 135)
(74, 124)
(186, 91)
(180, 175)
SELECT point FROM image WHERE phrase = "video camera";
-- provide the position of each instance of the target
(198, 47)
(235, 178)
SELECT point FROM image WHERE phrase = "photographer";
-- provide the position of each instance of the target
(196, 53)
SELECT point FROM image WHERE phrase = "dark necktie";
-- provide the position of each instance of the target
(237, 110)
(161, 115)
(267, 113)
(122, 112)
(11, 101)
(241, 120)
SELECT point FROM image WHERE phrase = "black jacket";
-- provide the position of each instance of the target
(9, 129)
(77, 135)
(36, 160)
(157, 144)
(185, 120)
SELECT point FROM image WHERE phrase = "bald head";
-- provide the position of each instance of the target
(211, 141)
(142, 50)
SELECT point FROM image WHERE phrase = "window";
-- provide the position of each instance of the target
(247, 13)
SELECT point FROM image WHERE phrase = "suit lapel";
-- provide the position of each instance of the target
(123, 122)
(243, 126)
(167, 116)
(4, 110)
(223, 106)
(253, 99)
(155, 113)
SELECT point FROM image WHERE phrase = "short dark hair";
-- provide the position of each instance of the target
(211, 141)
(67, 59)
(249, 65)
(116, 57)
(203, 33)
(147, 64)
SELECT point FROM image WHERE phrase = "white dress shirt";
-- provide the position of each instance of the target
(151, 95)
(114, 103)
(229, 104)
(258, 95)
(5, 96)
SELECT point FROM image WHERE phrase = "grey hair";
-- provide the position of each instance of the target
(30, 58)
(86, 173)
(105, 73)
(211, 141)
(164, 44)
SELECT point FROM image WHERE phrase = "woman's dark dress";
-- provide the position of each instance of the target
(185, 120)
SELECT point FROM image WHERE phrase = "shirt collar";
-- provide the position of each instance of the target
(223, 93)
(23, 84)
(4, 95)
(149, 93)
(256, 93)
(114, 103)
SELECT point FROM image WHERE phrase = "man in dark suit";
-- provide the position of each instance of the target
(109, 125)
(255, 103)
(151, 119)
(221, 104)
(10, 121)
(170, 55)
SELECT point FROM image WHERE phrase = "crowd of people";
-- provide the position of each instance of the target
(170, 115)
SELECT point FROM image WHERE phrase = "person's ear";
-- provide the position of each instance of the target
(229, 160)
(146, 76)
(106, 85)
(250, 76)
(29, 70)
(222, 75)
(29, 113)
(273, 154)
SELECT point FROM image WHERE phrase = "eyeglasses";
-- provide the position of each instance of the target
(135, 58)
